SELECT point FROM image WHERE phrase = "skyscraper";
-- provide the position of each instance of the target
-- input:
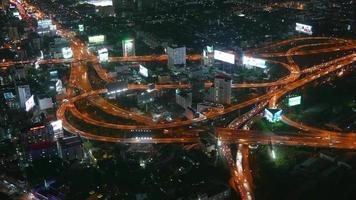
(24, 93)
(176, 55)
(221, 92)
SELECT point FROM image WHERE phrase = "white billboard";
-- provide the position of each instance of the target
(143, 71)
(30, 103)
(17, 14)
(225, 57)
(59, 86)
(45, 23)
(67, 52)
(97, 39)
(45, 103)
(256, 62)
(103, 55)
(100, 2)
(57, 125)
(304, 28)
(81, 27)
(293, 101)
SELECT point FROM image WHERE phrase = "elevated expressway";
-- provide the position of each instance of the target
(240, 170)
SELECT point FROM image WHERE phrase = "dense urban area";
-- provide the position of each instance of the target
(177, 99)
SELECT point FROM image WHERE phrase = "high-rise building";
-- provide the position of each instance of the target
(198, 88)
(38, 142)
(184, 99)
(13, 33)
(176, 55)
(70, 148)
(24, 93)
(124, 8)
(221, 92)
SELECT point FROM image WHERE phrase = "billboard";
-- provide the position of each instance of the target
(209, 49)
(96, 39)
(128, 47)
(293, 101)
(256, 62)
(45, 103)
(225, 57)
(17, 14)
(67, 52)
(8, 95)
(56, 125)
(30, 103)
(59, 85)
(304, 28)
(53, 75)
(52, 27)
(81, 27)
(100, 2)
(103, 55)
(45, 23)
(143, 71)
(273, 115)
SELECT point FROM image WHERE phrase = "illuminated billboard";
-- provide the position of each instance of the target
(30, 103)
(143, 71)
(52, 27)
(81, 27)
(103, 55)
(273, 115)
(57, 128)
(128, 47)
(209, 49)
(45, 23)
(67, 52)
(304, 28)
(100, 2)
(45, 103)
(293, 101)
(57, 125)
(225, 57)
(256, 62)
(8, 95)
(17, 14)
(96, 39)
(59, 86)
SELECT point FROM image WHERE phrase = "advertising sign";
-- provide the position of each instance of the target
(57, 125)
(143, 71)
(8, 95)
(81, 27)
(293, 101)
(30, 103)
(256, 62)
(304, 28)
(225, 57)
(67, 52)
(97, 39)
(103, 55)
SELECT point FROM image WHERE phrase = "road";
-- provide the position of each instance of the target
(241, 176)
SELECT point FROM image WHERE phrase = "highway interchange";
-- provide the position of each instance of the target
(241, 176)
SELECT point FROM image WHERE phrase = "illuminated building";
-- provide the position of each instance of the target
(38, 142)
